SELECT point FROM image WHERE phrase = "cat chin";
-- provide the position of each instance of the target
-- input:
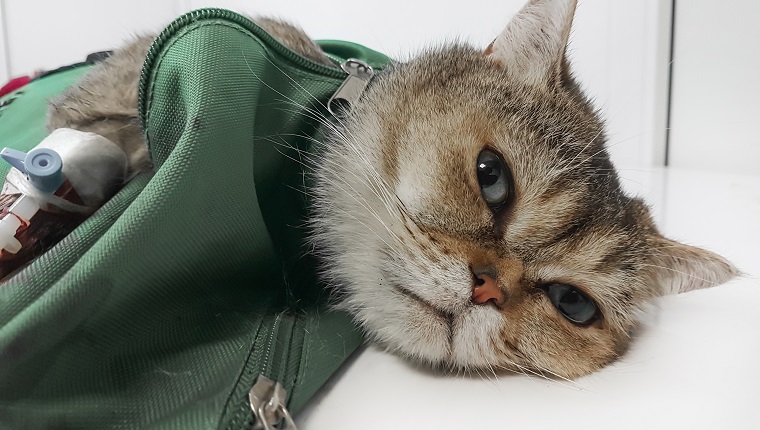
(406, 325)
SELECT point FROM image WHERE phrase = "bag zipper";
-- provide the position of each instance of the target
(353, 86)
(267, 401)
(264, 404)
(359, 76)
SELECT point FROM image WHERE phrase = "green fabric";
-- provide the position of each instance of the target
(161, 309)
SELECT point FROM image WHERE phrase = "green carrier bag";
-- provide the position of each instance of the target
(166, 305)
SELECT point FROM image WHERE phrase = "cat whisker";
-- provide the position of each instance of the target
(492, 380)
(520, 369)
(680, 272)
(626, 170)
(527, 372)
(573, 384)
(368, 181)
(375, 183)
(384, 193)
(601, 130)
(309, 113)
(298, 161)
(556, 378)
(377, 189)
(296, 84)
(608, 146)
(512, 365)
(392, 234)
(321, 119)
(366, 206)
(352, 216)
(279, 92)
(305, 159)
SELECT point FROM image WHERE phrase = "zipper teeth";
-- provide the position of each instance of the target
(244, 417)
(266, 366)
(215, 13)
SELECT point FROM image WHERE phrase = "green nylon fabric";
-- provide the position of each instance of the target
(161, 309)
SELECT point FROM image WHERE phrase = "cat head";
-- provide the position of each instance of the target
(471, 218)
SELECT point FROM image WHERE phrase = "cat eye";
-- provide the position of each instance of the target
(494, 178)
(572, 303)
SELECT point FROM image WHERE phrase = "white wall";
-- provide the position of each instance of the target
(716, 94)
(618, 47)
(4, 65)
(44, 34)
(621, 51)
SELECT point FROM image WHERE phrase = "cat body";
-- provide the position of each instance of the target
(465, 209)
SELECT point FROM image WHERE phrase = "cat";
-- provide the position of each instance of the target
(465, 210)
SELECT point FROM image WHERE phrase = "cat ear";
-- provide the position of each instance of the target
(532, 47)
(679, 268)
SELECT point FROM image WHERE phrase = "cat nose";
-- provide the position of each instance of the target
(485, 289)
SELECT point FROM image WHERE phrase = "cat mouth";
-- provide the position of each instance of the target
(443, 314)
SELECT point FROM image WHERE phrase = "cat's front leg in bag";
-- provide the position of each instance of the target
(104, 102)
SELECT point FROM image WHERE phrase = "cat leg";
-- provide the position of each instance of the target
(294, 38)
(104, 102)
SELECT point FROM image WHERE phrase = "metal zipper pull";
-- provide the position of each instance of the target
(267, 399)
(349, 92)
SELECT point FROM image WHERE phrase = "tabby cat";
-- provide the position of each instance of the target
(466, 210)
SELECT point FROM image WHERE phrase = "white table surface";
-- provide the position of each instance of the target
(695, 364)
